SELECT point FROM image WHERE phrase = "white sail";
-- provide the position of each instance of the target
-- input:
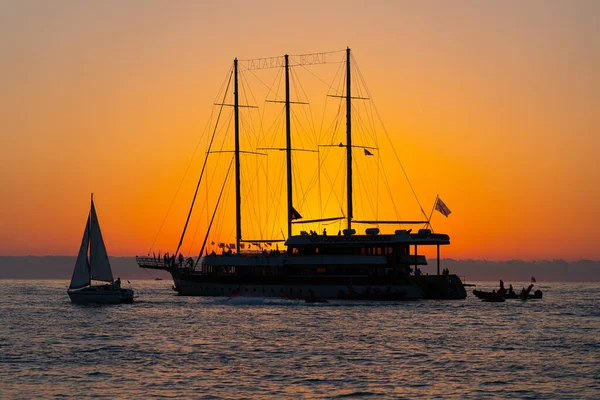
(98, 257)
(81, 273)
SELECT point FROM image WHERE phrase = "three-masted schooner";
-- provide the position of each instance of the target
(371, 266)
(93, 265)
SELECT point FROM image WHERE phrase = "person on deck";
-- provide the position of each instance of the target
(118, 283)
(324, 231)
(181, 258)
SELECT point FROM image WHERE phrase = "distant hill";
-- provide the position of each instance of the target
(61, 267)
(518, 270)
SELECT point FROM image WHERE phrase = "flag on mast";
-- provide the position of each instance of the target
(441, 207)
(295, 214)
(367, 152)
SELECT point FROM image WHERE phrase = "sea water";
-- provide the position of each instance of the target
(169, 346)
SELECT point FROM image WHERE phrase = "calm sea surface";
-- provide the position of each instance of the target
(183, 347)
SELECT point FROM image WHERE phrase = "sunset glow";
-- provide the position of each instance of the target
(493, 106)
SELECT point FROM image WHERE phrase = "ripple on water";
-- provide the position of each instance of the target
(176, 347)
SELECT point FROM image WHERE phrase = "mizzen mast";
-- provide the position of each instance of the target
(348, 140)
(288, 145)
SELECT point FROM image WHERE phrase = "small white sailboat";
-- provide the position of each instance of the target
(93, 264)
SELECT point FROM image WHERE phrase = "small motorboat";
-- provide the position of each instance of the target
(492, 297)
(511, 295)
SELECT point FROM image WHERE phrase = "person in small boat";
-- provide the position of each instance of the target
(525, 292)
(502, 290)
(117, 284)
(511, 291)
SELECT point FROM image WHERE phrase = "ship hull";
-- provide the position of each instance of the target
(347, 288)
(196, 287)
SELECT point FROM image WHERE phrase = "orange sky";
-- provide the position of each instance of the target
(493, 105)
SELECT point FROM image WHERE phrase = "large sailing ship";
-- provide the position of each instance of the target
(349, 265)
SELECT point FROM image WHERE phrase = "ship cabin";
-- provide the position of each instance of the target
(370, 249)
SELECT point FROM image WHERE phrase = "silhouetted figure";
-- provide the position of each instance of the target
(525, 292)
(502, 290)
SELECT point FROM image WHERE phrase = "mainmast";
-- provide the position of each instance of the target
(236, 113)
(348, 140)
(288, 144)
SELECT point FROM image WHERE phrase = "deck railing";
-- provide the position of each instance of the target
(151, 262)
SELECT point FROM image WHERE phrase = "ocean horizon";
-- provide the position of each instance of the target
(61, 267)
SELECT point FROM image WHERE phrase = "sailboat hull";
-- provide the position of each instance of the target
(100, 294)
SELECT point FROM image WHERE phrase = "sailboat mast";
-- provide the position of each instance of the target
(238, 198)
(90, 235)
(348, 139)
(288, 144)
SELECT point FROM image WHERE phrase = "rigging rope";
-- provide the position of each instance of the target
(390, 140)
(203, 166)
(187, 169)
(214, 213)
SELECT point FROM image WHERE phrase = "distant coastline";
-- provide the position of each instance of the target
(61, 267)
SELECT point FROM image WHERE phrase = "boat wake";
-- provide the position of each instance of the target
(254, 301)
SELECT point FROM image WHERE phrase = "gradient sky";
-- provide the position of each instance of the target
(492, 104)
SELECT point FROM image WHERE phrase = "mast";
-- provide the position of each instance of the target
(236, 113)
(90, 236)
(288, 144)
(348, 139)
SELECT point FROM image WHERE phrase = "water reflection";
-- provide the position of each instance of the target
(171, 346)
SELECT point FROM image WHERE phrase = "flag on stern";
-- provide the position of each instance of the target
(295, 214)
(441, 207)
(367, 152)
